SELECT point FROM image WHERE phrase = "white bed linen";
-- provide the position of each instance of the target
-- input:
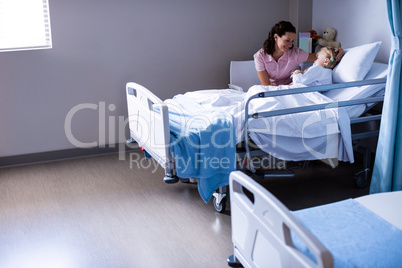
(296, 137)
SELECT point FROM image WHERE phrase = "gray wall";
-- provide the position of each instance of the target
(358, 22)
(168, 46)
(99, 45)
(301, 16)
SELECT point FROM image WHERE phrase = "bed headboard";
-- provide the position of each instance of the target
(243, 75)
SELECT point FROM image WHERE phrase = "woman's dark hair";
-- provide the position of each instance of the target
(280, 29)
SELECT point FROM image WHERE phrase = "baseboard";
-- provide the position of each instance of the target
(42, 157)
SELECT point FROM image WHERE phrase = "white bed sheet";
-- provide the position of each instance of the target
(290, 138)
(295, 137)
(304, 136)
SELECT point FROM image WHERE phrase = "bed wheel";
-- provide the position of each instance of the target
(220, 206)
(233, 262)
(184, 180)
(361, 178)
(220, 199)
(170, 179)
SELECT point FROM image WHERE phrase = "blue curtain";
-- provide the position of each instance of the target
(387, 173)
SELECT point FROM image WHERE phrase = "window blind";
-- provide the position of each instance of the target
(24, 25)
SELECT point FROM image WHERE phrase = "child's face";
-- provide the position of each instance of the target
(321, 58)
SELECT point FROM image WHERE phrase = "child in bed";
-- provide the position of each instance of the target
(318, 74)
(321, 71)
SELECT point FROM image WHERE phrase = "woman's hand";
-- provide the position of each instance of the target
(340, 53)
(296, 72)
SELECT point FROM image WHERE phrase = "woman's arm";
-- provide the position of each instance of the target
(264, 78)
(340, 52)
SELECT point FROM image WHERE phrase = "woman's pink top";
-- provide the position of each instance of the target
(279, 71)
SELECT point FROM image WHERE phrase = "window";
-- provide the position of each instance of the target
(24, 25)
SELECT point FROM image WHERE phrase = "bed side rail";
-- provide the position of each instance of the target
(149, 123)
(334, 104)
(321, 88)
(262, 226)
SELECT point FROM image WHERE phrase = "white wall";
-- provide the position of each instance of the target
(358, 22)
(100, 45)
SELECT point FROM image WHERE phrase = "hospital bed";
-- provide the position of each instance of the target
(150, 126)
(357, 97)
(361, 232)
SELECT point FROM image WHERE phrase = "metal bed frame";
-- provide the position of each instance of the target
(160, 122)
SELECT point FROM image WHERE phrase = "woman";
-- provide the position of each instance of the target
(277, 59)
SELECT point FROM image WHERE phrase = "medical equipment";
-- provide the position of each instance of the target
(361, 232)
(150, 126)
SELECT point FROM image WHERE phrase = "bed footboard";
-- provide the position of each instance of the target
(149, 126)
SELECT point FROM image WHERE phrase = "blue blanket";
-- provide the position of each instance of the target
(355, 236)
(203, 144)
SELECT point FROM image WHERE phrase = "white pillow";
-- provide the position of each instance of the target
(356, 63)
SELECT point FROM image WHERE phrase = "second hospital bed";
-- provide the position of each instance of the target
(152, 120)
(361, 232)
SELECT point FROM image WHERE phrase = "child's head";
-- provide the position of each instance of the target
(326, 58)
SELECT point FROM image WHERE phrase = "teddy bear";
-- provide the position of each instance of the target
(328, 38)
